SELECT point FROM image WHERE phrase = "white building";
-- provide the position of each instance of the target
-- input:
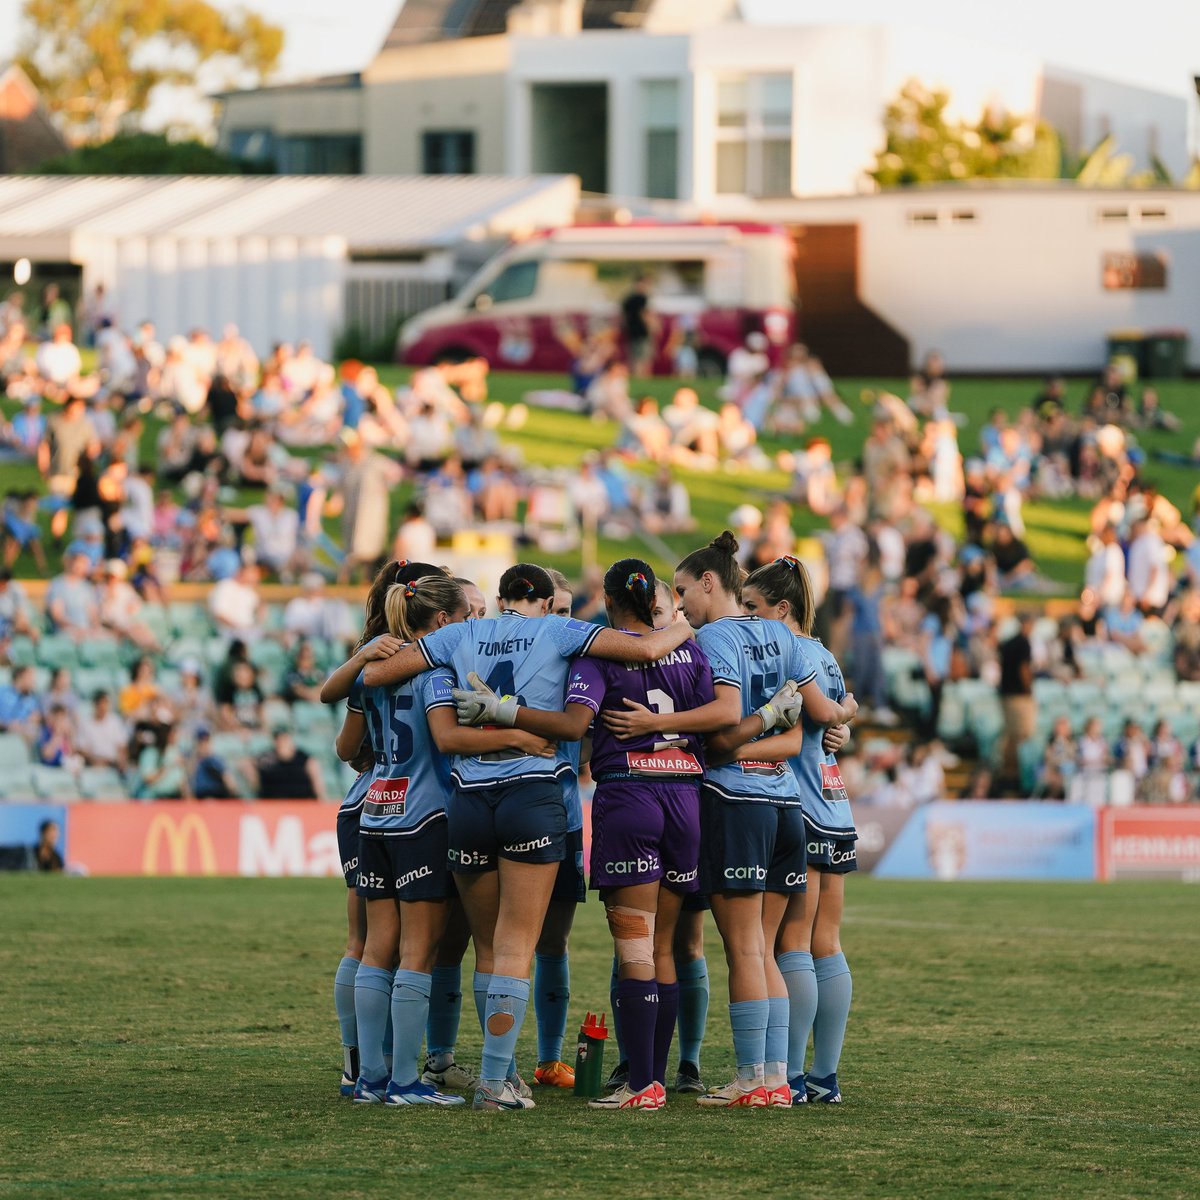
(673, 99)
(284, 258)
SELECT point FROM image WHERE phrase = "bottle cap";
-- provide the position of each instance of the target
(594, 1027)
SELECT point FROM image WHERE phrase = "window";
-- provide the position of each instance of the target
(518, 281)
(964, 216)
(1153, 216)
(922, 216)
(319, 154)
(448, 152)
(660, 122)
(1112, 216)
(252, 145)
(1121, 271)
(754, 135)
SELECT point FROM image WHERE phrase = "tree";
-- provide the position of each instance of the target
(97, 63)
(923, 145)
(145, 154)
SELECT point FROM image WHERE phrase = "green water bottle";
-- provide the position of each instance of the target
(589, 1057)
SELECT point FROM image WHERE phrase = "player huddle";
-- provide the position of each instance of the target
(716, 785)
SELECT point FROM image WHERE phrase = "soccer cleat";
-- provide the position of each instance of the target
(554, 1074)
(366, 1092)
(799, 1095)
(649, 1099)
(779, 1097)
(347, 1087)
(507, 1099)
(619, 1077)
(521, 1087)
(452, 1076)
(733, 1095)
(687, 1078)
(419, 1093)
(823, 1091)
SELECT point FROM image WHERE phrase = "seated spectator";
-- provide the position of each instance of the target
(1151, 414)
(121, 608)
(276, 527)
(448, 504)
(22, 533)
(59, 362)
(666, 506)
(929, 390)
(1186, 631)
(746, 366)
(1058, 762)
(175, 450)
(475, 442)
(56, 742)
(15, 613)
(25, 433)
(102, 738)
(19, 709)
(1133, 751)
(71, 600)
(1094, 755)
(163, 770)
(416, 538)
(693, 430)
(234, 603)
(210, 778)
(1104, 573)
(70, 436)
(46, 854)
(193, 700)
(303, 678)
(181, 381)
(588, 494)
(235, 361)
(814, 480)
(497, 489)
(645, 434)
(1014, 566)
(286, 772)
(1165, 747)
(608, 394)
(1125, 623)
(61, 692)
(269, 402)
(738, 439)
(145, 707)
(239, 702)
(1148, 567)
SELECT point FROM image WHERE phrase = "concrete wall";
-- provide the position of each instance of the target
(289, 111)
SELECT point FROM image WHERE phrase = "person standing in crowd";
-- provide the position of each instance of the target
(639, 328)
(1016, 694)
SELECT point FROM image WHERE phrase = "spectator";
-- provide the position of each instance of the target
(163, 770)
(235, 361)
(234, 603)
(416, 538)
(56, 742)
(22, 533)
(19, 709)
(15, 613)
(448, 503)
(46, 854)
(69, 437)
(303, 678)
(1104, 574)
(666, 506)
(210, 778)
(193, 701)
(1186, 636)
(1058, 762)
(71, 600)
(645, 434)
(145, 707)
(121, 607)
(607, 395)
(1148, 568)
(1016, 694)
(430, 439)
(276, 528)
(239, 702)
(588, 494)
(366, 482)
(1133, 751)
(639, 328)
(316, 615)
(59, 362)
(865, 600)
(61, 692)
(25, 434)
(1125, 624)
(693, 431)
(286, 772)
(102, 738)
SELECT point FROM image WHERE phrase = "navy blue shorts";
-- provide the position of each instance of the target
(570, 886)
(347, 836)
(831, 853)
(643, 832)
(751, 847)
(525, 821)
(403, 866)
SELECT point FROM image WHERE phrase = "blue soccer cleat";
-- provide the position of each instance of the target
(799, 1094)
(419, 1093)
(823, 1091)
(368, 1092)
(347, 1087)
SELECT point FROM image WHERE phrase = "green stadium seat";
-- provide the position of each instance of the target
(16, 782)
(57, 650)
(1029, 757)
(13, 751)
(102, 783)
(100, 652)
(156, 618)
(266, 652)
(189, 618)
(276, 713)
(185, 648)
(89, 680)
(313, 718)
(54, 783)
(22, 652)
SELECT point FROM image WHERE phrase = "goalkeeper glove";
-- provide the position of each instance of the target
(481, 706)
(782, 711)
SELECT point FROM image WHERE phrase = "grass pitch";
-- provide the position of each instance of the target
(176, 1038)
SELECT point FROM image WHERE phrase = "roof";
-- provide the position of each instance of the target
(348, 81)
(441, 20)
(369, 212)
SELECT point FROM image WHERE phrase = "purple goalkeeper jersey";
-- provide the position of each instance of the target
(680, 680)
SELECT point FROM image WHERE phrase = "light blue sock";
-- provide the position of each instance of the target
(693, 1007)
(777, 1035)
(343, 1003)
(507, 1000)
(613, 980)
(479, 985)
(410, 1010)
(796, 967)
(389, 1036)
(445, 1010)
(834, 989)
(748, 1020)
(551, 999)
(372, 1005)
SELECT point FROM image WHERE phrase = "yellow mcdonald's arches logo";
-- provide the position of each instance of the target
(178, 836)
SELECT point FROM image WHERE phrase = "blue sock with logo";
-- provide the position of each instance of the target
(372, 1008)
(748, 1020)
(796, 967)
(343, 1004)
(445, 1012)
(551, 999)
(834, 990)
(693, 1007)
(410, 1010)
(777, 1036)
(507, 1000)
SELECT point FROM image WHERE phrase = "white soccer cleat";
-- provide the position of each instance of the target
(649, 1099)
(735, 1095)
(454, 1076)
(507, 1099)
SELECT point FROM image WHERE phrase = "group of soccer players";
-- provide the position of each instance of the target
(716, 784)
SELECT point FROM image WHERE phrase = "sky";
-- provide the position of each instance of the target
(1154, 43)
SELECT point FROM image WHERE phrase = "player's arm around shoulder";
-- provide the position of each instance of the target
(337, 686)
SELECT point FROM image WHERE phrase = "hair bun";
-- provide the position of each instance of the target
(725, 543)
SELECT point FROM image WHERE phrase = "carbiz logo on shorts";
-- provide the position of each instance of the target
(633, 866)
(758, 874)
(468, 858)
(421, 873)
(796, 879)
(682, 876)
(816, 849)
(372, 881)
(524, 847)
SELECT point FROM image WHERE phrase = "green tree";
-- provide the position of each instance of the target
(145, 154)
(922, 144)
(97, 63)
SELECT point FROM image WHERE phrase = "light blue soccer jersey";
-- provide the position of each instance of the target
(822, 793)
(514, 655)
(358, 789)
(410, 783)
(757, 657)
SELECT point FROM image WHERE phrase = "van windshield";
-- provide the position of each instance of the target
(518, 281)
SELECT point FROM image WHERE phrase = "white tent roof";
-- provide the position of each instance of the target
(369, 212)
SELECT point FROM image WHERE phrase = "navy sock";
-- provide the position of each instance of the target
(834, 991)
(507, 1000)
(343, 1004)
(637, 1002)
(664, 1028)
(796, 967)
(445, 1010)
(693, 1007)
(551, 999)
(613, 980)
(372, 1006)
(410, 1010)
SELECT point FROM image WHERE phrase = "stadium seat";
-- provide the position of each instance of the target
(102, 783)
(313, 718)
(13, 751)
(100, 652)
(266, 652)
(16, 782)
(185, 648)
(54, 783)
(188, 618)
(90, 680)
(156, 618)
(276, 714)
(1030, 754)
(57, 650)
(22, 652)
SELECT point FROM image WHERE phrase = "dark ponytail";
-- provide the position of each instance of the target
(526, 581)
(630, 584)
(719, 557)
